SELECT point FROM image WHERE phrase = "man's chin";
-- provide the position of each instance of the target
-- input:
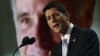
(56, 31)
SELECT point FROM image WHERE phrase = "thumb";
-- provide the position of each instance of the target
(50, 53)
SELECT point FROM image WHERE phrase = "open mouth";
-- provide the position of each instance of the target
(56, 25)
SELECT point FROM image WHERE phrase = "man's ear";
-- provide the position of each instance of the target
(67, 15)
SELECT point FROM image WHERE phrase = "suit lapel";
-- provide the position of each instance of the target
(60, 52)
(57, 51)
(73, 39)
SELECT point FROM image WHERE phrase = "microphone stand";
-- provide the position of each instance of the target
(25, 41)
(15, 51)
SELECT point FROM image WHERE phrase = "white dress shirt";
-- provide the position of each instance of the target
(67, 37)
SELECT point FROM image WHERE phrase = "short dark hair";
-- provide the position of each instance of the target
(60, 7)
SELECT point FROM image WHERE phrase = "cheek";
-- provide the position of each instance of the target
(62, 23)
(50, 24)
(24, 27)
(26, 30)
(31, 32)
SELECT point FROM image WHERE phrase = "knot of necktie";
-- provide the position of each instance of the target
(65, 41)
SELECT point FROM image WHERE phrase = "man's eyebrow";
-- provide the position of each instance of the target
(20, 15)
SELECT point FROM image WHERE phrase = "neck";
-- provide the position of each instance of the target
(64, 30)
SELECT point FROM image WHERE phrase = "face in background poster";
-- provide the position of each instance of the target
(29, 21)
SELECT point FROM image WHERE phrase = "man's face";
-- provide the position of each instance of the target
(29, 14)
(56, 20)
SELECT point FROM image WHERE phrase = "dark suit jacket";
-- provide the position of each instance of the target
(83, 42)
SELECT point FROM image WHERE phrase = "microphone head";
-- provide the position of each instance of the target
(27, 41)
(31, 40)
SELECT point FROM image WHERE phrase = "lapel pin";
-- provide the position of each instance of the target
(74, 40)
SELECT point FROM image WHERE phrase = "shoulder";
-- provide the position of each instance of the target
(83, 30)
(86, 33)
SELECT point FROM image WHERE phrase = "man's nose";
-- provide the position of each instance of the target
(53, 19)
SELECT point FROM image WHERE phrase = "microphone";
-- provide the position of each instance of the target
(25, 41)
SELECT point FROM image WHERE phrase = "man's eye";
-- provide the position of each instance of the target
(48, 18)
(25, 23)
(25, 20)
(56, 14)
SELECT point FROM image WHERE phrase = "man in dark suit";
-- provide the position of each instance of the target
(75, 41)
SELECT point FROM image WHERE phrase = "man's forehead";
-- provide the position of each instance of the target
(22, 3)
(25, 5)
